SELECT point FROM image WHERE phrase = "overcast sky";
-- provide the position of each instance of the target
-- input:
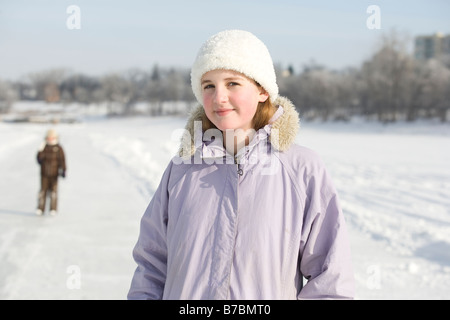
(119, 35)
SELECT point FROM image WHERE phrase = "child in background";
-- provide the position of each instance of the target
(52, 160)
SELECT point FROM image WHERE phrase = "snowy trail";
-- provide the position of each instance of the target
(394, 185)
(94, 232)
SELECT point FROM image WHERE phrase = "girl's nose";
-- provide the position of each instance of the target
(220, 95)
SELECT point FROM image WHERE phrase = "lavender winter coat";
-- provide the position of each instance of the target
(250, 227)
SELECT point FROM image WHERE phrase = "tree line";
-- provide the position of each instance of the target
(392, 85)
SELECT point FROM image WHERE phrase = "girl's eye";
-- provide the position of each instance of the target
(208, 86)
(231, 84)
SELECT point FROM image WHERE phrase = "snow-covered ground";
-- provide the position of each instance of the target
(393, 181)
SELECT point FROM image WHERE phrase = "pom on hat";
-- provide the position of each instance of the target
(239, 51)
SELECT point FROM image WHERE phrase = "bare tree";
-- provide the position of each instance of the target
(79, 88)
(7, 96)
(385, 76)
(112, 85)
(437, 90)
(46, 84)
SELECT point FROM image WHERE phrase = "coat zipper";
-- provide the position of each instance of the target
(240, 172)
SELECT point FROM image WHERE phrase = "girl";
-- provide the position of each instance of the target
(242, 212)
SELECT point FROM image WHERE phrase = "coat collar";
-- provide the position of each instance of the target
(281, 131)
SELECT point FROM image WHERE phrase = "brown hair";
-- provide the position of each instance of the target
(263, 114)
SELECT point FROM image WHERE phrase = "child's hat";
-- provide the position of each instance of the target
(51, 133)
(239, 51)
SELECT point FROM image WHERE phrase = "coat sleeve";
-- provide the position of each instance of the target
(150, 251)
(40, 157)
(62, 160)
(325, 257)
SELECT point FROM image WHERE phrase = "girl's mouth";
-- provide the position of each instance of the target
(223, 112)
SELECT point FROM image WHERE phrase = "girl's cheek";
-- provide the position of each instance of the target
(206, 102)
(207, 96)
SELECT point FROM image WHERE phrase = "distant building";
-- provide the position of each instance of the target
(436, 46)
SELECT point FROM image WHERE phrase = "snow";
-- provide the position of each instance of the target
(393, 181)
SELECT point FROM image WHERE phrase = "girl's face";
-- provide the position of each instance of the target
(230, 99)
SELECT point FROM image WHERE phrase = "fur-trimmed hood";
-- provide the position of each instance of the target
(284, 129)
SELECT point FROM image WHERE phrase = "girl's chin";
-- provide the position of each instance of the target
(225, 128)
(230, 124)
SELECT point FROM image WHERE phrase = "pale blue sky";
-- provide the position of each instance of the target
(118, 35)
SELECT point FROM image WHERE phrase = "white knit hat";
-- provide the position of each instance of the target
(239, 51)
